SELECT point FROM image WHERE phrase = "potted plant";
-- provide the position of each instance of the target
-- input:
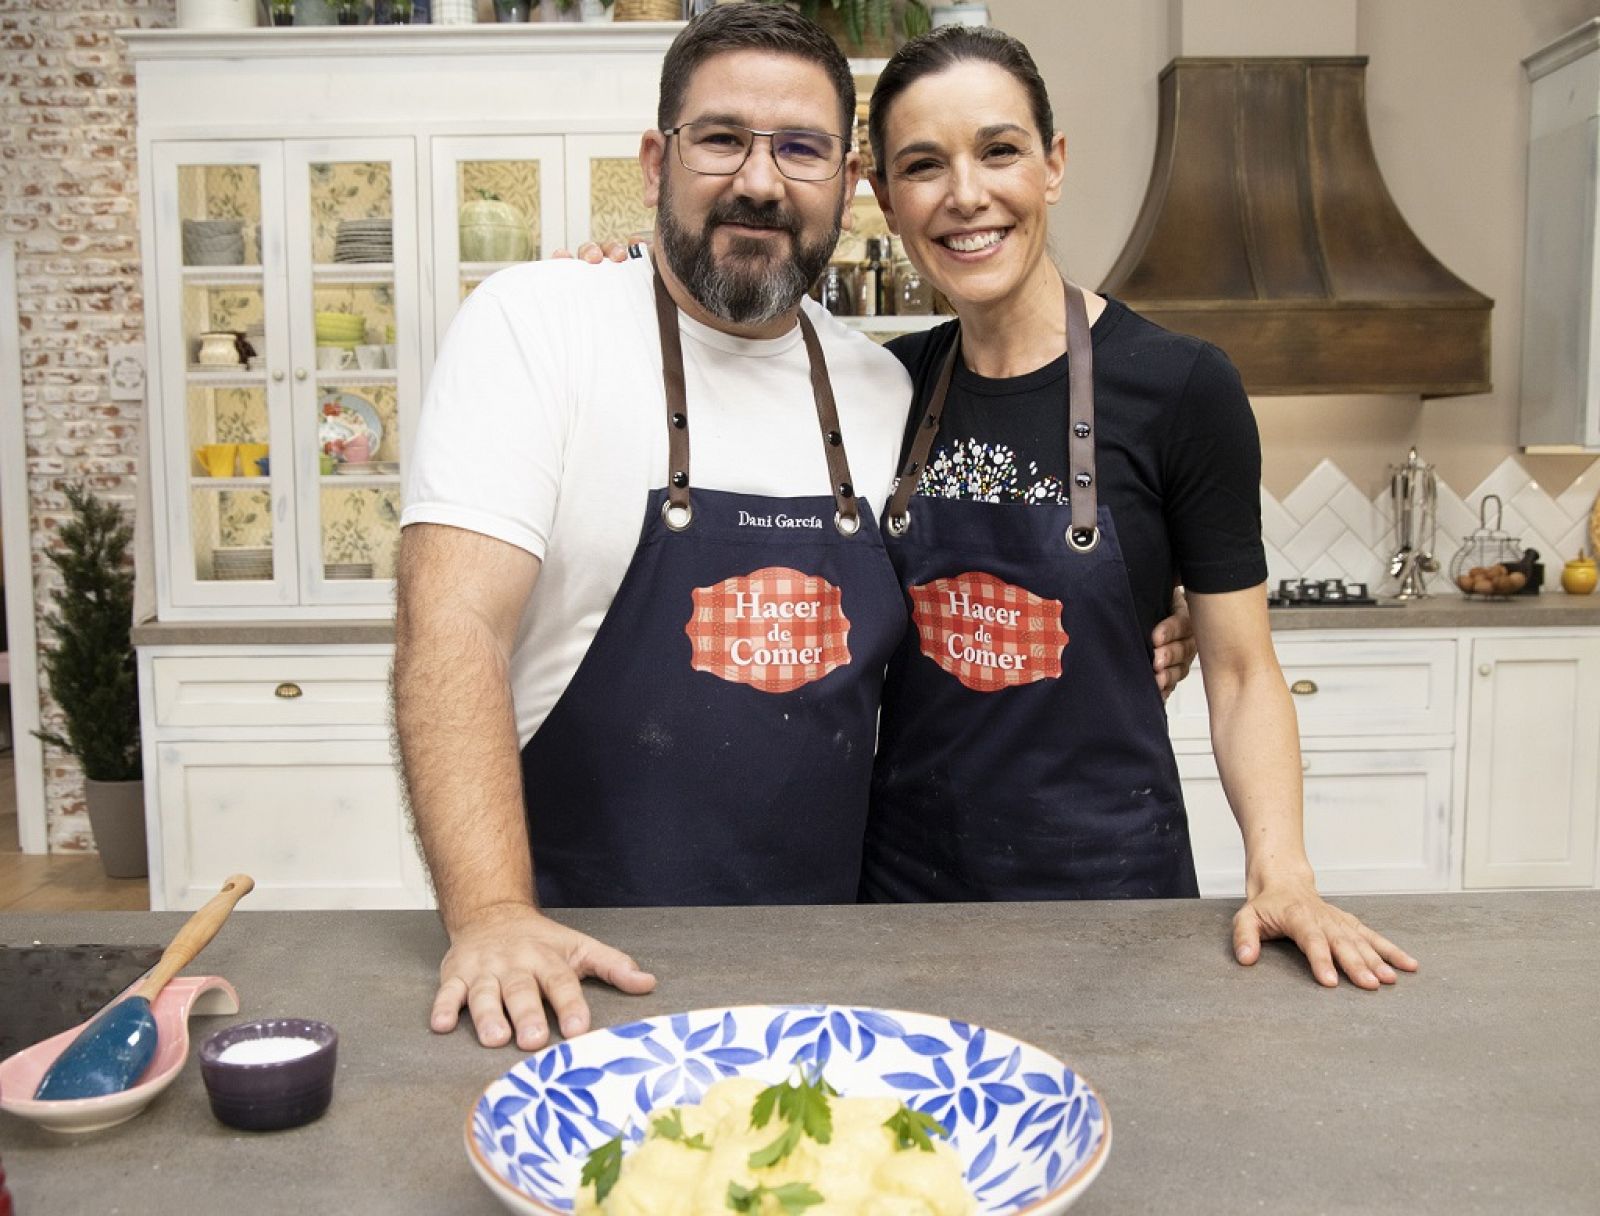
(92, 676)
(868, 26)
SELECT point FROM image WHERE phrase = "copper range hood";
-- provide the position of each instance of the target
(1267, 230)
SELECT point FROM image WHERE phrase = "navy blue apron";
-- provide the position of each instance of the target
(715, 744)
(1023, 749)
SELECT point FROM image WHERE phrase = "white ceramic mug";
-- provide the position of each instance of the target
(370, 358)
(335, 358)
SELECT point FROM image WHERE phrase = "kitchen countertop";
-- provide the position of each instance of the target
(1471, 1087)
(1553, 610)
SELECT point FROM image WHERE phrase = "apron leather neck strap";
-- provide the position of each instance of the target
(677, 510)
(1083, 533)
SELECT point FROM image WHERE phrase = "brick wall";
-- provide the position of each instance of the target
(68, 198)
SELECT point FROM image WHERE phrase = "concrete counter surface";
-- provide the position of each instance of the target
(1553, 610)
(1472, 1087)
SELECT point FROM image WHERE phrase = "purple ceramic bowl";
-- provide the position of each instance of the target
(260, 1093)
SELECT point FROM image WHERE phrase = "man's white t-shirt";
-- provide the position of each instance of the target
(545, 426)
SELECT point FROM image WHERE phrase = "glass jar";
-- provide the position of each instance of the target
(836, 293)
(913, 293)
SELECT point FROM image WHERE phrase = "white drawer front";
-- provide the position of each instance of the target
(1374, 821)
(1349, 688)
(277, 690)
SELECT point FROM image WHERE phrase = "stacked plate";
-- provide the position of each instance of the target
(213, 242)
(368, 468)
(364, 241)
(345, 329)
(332, 570)
(242, 561)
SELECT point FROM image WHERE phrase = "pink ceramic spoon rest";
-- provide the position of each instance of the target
(179, 1000)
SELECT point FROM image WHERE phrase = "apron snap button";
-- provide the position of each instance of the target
(679, 421)
(835, 439)
(1083, 480)
(680, 480)
(1081, 430)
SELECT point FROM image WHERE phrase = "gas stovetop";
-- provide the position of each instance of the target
(1321, 593)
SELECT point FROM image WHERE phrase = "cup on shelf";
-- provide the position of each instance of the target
(326, 462)
(389, 357)
(358, 450)
(370, 358)
(218, 459)
(250, 456)
(335, 358)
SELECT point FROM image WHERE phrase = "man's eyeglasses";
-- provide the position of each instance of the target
(719, 149)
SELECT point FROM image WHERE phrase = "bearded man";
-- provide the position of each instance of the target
(616, 683)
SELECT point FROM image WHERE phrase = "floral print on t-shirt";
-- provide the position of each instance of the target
(983, 472)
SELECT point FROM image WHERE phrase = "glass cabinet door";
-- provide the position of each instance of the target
(219, 384)
(497, 201)
(351, 237)
(605, 189)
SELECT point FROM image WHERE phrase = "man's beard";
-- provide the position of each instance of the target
(752, 284)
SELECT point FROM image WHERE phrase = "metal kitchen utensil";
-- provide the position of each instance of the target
(118, 1045)
(1486, 546)
(1414, 495)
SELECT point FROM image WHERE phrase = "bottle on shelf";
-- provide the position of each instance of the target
(869, 281)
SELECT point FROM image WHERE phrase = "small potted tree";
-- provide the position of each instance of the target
(93, 678)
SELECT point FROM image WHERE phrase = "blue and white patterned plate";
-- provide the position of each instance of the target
(1030, 1131)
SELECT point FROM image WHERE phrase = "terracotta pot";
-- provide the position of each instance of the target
(116, 813)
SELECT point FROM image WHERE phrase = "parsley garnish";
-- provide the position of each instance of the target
(670, 1127)
(803, 1105)
(911, 1129)
(794, 1196)
(603, 1168)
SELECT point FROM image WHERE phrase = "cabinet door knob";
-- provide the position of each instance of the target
(287, 691)
(299, 373)
(1303, 688)
(1485, 669)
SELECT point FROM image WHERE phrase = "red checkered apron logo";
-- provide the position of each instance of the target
(775, 629)
(989, 634)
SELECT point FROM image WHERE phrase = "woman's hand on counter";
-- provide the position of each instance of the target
(1331, 939)
(511, 959)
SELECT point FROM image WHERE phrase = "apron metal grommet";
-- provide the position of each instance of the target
(899, 525)
(675, 517)
(848, 525)
(1083, 539)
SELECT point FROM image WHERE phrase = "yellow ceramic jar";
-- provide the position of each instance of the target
(1578, 576)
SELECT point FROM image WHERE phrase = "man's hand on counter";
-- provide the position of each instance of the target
(1331, 939)
(511, 959)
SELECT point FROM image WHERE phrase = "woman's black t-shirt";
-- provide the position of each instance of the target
(1177, 454)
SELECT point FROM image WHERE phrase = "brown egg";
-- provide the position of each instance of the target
(1517, 581)
(1465, 582)
(1495, 571)
(1483, 586)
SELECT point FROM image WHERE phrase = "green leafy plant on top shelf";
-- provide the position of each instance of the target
(91, 668)
(862, 18)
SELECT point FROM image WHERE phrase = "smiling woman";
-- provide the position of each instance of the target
(1066, 462)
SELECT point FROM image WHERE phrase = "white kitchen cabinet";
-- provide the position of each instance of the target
(275, 761)
(1374, 821)
(307, 152)
(1561, 277)
(1533, 762)
(1376, 713)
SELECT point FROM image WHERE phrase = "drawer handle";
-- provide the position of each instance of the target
(1303, 688)
(287, 691)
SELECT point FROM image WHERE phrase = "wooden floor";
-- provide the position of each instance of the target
(55, 882)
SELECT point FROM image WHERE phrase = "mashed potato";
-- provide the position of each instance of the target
(861, 1171)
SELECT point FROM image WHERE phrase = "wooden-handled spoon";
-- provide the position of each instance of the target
(118, 1045)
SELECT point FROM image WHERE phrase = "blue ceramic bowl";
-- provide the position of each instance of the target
(1031, 1133)
(266, 1096)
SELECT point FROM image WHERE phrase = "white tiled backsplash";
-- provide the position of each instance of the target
(1326, 528)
